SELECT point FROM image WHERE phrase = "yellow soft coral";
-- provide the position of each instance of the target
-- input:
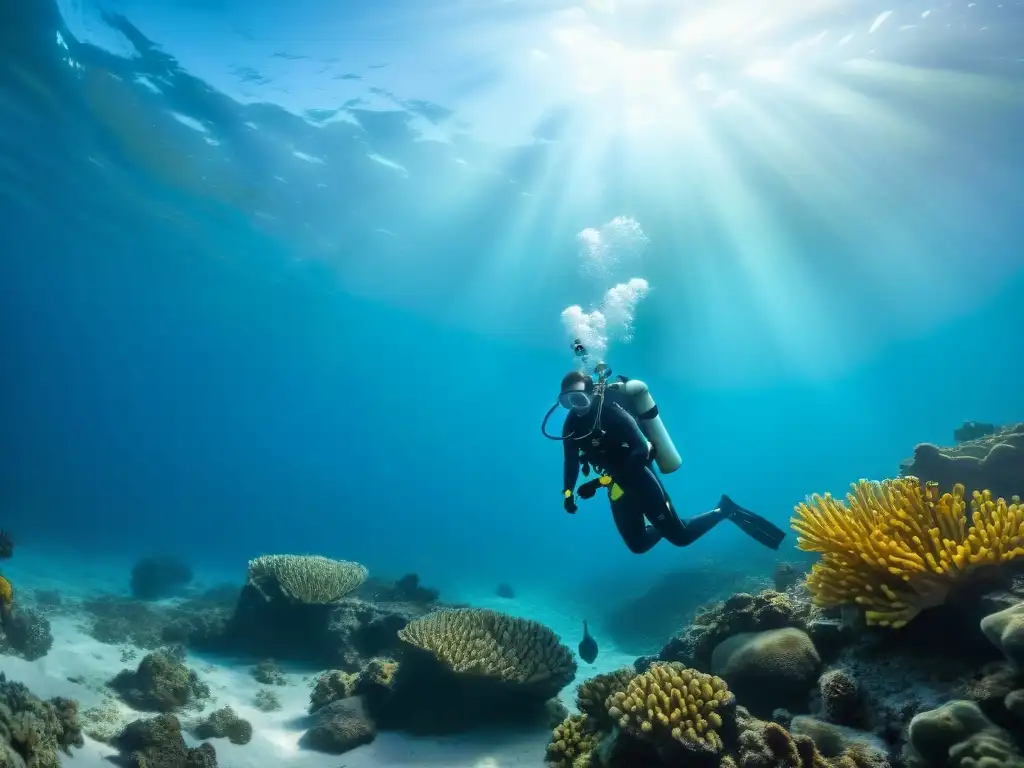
(6, 591)
(896, 548)
(671, 701)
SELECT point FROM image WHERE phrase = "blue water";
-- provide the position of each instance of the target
(290, 280)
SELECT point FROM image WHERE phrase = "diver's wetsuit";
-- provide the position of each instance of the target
(621, 451)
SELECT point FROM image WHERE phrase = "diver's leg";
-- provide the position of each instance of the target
(633, 529)
(659, 510)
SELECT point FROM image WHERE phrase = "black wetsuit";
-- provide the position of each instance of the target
(620, 450)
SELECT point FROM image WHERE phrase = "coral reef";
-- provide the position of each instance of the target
(266, 700)
(35, 733)
(304, 579)
(459, 668)
(160, 684)
(572, 744)
(679, 710)
(770, 669)
(897, 548)
(739, 613)
(639, 624)
(592, 694)
(157, 742)
(340, 726)
(341, 634)
(841, 697)
(224, 723)
(159, 576)
(25, 633)
(994, 461)
(268, 673)
(495, 646)
(198, 621)
(331, 686)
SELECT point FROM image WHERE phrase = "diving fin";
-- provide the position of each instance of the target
(755, 526)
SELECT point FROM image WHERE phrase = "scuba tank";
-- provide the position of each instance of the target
(649, 421)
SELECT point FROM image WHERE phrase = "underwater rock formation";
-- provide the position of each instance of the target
(340, 726)
(285, 610)
(157, 742)
(993, 461)
(224, 723)
(739, 613)
(118, 620)
(161, 683)
(957, 735)
(768, 670)
(641, 624)
(159, 576)
(34, 733)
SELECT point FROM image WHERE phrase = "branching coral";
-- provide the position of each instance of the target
(896, 548)
(308, 579)
(670, 701)
(490, 644)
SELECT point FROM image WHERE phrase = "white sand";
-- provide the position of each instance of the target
(276, 734)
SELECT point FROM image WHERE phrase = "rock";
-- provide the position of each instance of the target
(768, 669)
(1005, 630)
(340, 727)
(840, 697)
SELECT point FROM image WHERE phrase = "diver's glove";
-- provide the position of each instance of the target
(569, 505)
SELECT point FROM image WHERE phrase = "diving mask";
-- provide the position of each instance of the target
(575, 400)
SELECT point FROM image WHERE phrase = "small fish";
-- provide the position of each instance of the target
(588, 647)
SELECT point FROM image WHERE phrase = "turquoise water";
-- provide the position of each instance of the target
(293, 280)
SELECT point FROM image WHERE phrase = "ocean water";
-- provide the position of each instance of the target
(303, 278)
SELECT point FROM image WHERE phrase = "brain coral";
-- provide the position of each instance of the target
(671, 702)
(309, 579)
(896, 548)
(490, 644)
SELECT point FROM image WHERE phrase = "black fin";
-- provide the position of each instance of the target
(755, 526)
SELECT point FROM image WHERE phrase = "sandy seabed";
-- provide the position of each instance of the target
(90, 664)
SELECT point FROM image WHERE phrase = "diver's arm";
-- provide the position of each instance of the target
(619, 423)
(571, 465)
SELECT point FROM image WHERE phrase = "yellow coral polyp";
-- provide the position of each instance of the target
(896, 548)
(672, 701)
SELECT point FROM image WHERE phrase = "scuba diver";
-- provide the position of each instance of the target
(614, 428)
